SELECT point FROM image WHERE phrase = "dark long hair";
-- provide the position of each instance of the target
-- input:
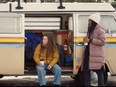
(50, 46)
(91, 28)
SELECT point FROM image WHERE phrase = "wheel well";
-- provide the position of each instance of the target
(106, 68)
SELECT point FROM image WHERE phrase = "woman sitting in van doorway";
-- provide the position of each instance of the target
(47, 51)
(94, 57)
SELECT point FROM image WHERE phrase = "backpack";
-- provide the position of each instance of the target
(31, 42)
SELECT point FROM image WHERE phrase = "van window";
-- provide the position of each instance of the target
(10, 24)
(112, 22)
(105, 23)
(83, 23)
(108, 22)
(42, 23)
(70, 23)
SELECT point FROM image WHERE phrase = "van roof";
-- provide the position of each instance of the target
(53, 7)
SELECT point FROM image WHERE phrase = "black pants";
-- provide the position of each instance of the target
(87, 77)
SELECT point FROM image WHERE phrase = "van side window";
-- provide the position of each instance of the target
(108, 22)
(83, 23)
(105, 23)
(10, 24)
(112, 22)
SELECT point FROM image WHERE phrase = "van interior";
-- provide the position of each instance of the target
(60, 27)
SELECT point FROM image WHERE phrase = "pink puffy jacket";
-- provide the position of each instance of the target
(97, 49)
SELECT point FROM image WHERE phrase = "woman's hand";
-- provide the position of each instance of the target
(49, 67)
(86, 40)
(40, 64)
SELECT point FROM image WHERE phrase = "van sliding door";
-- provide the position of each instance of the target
(109, 24)
(11, 43)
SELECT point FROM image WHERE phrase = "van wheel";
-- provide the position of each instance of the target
(1, 76)
(105, 77)
(106, 74)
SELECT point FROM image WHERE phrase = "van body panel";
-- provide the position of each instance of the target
(69, 7)
(110, 57)
(53, 7)
(11, 43)
(78, 50)
(12, 64)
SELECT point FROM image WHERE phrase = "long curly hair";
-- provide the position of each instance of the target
(50, 45)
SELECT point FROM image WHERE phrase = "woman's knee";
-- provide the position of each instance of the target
(40, 68)
(58, 69)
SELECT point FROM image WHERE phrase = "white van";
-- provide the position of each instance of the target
(61, 23)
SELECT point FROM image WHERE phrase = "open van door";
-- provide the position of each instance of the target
(11, 44)
(109, 24)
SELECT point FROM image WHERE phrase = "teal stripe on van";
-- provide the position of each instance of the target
(110, 45)
(12, 45)
(106, 45)
(75, 45)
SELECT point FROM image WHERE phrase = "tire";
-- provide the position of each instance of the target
(106, 74)
(105, 77)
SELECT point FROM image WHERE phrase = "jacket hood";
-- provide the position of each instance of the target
(95, 17)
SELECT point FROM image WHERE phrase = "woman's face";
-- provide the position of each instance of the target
(89, 22)
(45, 40)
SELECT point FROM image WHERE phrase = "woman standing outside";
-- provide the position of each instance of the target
(94, 57)
(47, 51)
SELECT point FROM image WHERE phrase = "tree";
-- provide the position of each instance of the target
(113, 4)
(79, 0)
(54, 0)
(98, 0)
(86, 0)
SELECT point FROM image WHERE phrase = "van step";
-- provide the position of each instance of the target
(34, 72)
